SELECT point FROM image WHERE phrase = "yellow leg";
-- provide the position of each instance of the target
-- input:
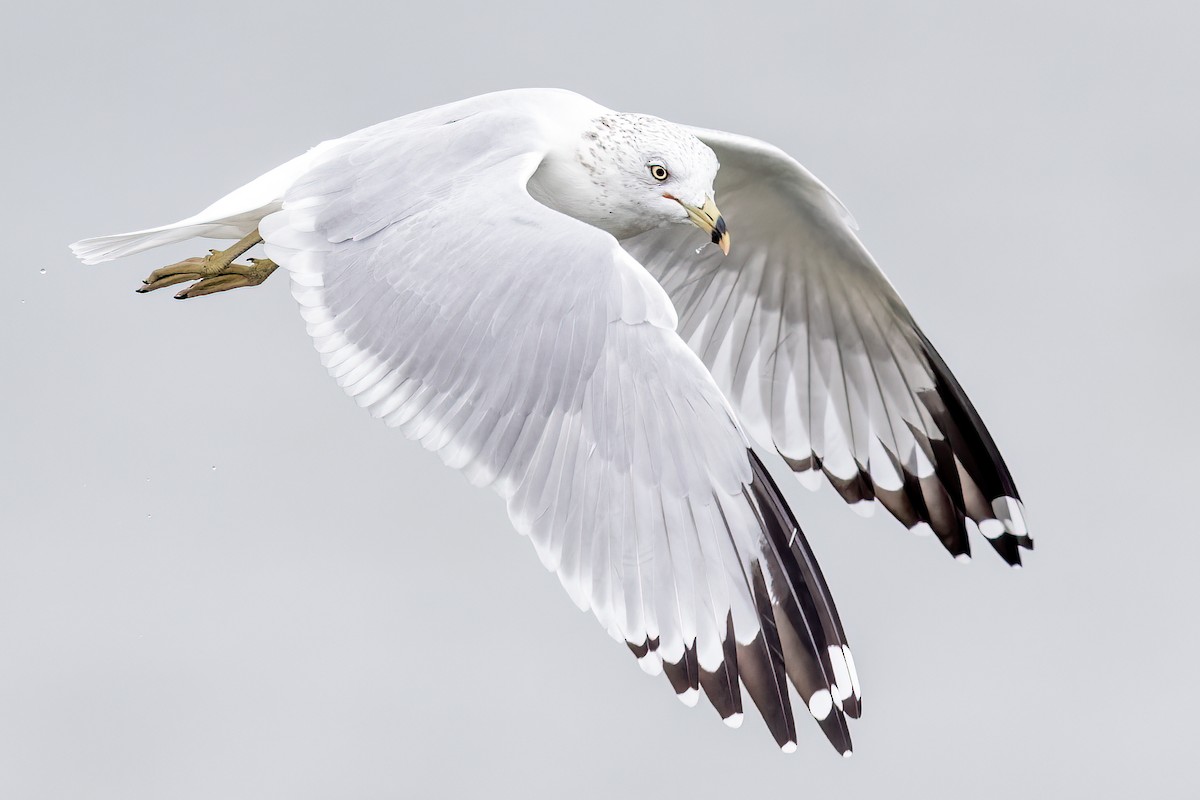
(215, 272)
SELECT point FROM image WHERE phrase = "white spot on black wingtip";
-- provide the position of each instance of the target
(864, 508)
(847, 754)
(734, 720)
(842, 686)
(651, 664)
(820, 704)
(689, 697)
(810, 479)
(853, 672)
(991, 528)
(1011, 513)
(921, 529)
(1015, 566)
(788, 747)
(963, 558)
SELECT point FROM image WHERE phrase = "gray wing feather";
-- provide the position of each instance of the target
(821, 358)
(531, 352)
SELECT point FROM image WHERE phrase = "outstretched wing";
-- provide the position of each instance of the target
(812, 344)
(530, 351)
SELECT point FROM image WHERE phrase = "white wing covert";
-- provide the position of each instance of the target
(809, 340)
(531, 352)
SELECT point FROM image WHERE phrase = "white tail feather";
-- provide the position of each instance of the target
(231, 217)
(106, 248)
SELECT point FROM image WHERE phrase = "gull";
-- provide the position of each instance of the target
(544, 292)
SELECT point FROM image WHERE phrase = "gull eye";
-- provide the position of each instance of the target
(659, 172)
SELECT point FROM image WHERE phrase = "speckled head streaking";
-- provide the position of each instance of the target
(630, 173)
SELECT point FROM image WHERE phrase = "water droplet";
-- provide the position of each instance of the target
(214, 467)
(42, 271)
(148, 516)
(22, 302)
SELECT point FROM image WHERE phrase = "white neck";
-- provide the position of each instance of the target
(577, 180)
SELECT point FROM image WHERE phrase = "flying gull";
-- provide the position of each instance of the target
(544, 292)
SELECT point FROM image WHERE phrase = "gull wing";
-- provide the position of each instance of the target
(534, 354)
(812, 344)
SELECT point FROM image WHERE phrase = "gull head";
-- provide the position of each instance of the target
(630, 173)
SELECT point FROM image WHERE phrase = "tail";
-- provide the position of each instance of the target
(106, 248)
(232, 217)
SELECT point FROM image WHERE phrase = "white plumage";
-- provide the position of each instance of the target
(460, 273)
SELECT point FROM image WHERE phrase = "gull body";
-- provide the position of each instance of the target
(594, 170)
(520, 282)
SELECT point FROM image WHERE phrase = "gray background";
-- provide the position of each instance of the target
(330, 613)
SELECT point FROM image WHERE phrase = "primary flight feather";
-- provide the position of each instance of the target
(544, 292)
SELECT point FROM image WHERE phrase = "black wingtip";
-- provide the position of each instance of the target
(722, 687)
(684, 675)
(810, 635)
